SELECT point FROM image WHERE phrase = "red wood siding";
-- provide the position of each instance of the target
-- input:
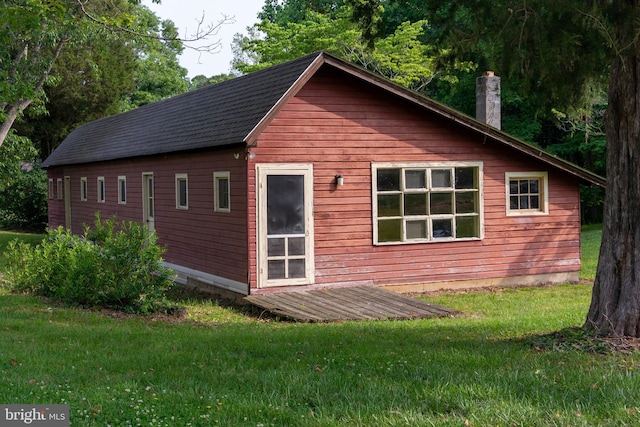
(342, 126)
(55, 205)
(197, 238)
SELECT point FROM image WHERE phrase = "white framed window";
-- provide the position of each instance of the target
(101, 190)
(50, 188)
(221, 192)
(83, 189)
(427, 202)
(122, 190)
(182, 191)
(527, 193)
(59, 188)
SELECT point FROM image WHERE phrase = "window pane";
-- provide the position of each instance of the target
(513, 187)
(534, 202)
(296, 269)
(276, 269)
(275, 247)
(182, 185)
(296, 245)
(442, 228)
(524, 187)
(390, 230)
(533, 186)
(415, 179)
(441, 178)
(388, 179)
(285, 204)
(513, 202)
(389, 205)
(524, 202)
(416, 229)
(441, 203)
(415, 204)
(223, 193)
(123, 190)
(466, 202)
(465, 178)
(467, 226)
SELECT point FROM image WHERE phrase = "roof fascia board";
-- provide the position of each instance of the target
(304, 77)
(456, 116)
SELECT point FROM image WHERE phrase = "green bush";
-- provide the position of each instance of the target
(23, 185)
(113, 265)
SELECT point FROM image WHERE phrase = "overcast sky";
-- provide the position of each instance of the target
(186, 14)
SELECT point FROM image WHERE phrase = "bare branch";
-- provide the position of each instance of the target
(203, 32)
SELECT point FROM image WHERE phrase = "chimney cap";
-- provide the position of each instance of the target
(489, 73)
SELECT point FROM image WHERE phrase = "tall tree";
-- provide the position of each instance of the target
(34, 33)
(90, 80)
(561, 51)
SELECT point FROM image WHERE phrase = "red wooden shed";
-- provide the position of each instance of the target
(315, 173)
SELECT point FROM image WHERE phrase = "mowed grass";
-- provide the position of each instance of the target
(224, 367)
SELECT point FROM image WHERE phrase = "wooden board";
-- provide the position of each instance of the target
(350, 303)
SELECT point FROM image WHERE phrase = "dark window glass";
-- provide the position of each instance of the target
(389, 205)
(285, 204)
(442, 228)
(182, 189)
(465, 178)
(441, 203)
(296, 269)
(275, 246)
(388, 179)
(223, 193)
(415, 204)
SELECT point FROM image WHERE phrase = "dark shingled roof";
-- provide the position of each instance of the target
(235, 111)
(216, 115)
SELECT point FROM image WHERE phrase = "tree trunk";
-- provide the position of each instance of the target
(11, 116)
(615, 303)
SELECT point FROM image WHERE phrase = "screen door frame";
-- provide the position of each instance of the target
(263, 171)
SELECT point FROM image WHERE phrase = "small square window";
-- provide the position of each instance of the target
(122, 190)
(83, 189)
(526, 193)
(221, 192)
(182, 191)
(101, 190)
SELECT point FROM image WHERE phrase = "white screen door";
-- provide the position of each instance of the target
(285, 225)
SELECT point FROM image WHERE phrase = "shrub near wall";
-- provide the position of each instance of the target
(113, 265)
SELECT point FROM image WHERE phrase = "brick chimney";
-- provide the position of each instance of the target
(488, 99)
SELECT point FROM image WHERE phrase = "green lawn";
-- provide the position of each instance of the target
(590, 243)
(223, 367)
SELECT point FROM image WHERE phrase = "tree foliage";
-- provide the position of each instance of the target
(35, 33)
(401, 56)
(158, 74)
(22, 185)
